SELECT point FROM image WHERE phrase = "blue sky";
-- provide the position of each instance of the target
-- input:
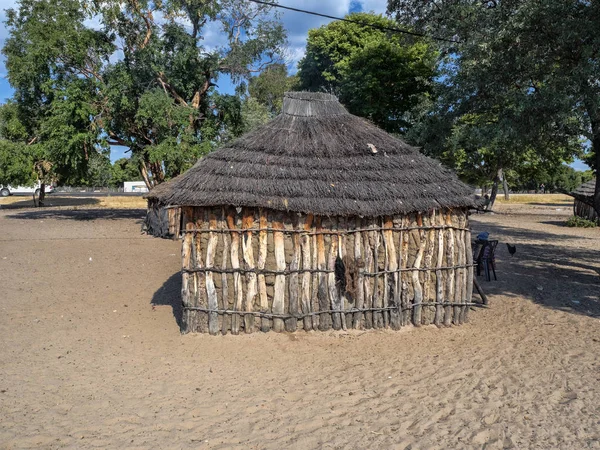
(297, 25)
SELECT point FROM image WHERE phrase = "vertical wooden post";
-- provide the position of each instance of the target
(458, 273)
(235, 265)
(322, 295)
(200, 216)
(375, 241)
(189, 316)
(306, 276)
(262, 259)
(291, 324)
(439, 281)
(279, 289)
(392, 297)
(342, 240)
(211, 292)
(226, 319)
(360, 293)
(368, 252)
(427, 295)
(416, 281)
(469, 283)
(334, 294)
(450, 272)
(248, 252)
(404, 238)
(316, 278)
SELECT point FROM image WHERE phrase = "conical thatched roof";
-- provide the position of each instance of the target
(585, 192)
(317, 158)
(162, 191)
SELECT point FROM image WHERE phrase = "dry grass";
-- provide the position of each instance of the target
(122, 202)
(536, 198)
(114, 202)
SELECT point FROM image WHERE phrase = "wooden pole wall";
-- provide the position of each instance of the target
(259, 269)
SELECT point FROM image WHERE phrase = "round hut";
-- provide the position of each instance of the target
(162, 220)
(584, 201)
(321, 220)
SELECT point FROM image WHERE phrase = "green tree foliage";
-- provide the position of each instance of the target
(124, 169)
(144, 80)
(270, 85)
(380, 75)
(533, 66)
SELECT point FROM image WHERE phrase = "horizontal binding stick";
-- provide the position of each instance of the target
(316, 313)
(336, 232)
(290, 271)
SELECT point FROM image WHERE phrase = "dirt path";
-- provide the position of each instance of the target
(86, 361)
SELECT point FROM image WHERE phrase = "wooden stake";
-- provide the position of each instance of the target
(404, 276)
(262, 259)
(324, 320)
(226, 320)
(199, 279)
(368, 252)
(427, 296)
(279, 290)
(211, 292)
(439, 282)
(358, 319)
(291, 324)
(316, 277)
(458, 275)
(188, 321)
(334, 295)
(375, 242)
(469, 282)
(306, 264)
(251, 286)
(450, 273)
(392, 297)
(235, 264)
(418, 289)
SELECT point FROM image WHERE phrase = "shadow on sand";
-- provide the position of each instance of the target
(169, 294)
(80, 214)
(544, 269)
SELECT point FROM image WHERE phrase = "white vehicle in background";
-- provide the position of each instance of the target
(5, 191)
(134, 186)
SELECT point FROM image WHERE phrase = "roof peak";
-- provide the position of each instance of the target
(312, 104)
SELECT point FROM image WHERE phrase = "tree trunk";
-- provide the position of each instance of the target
(505, 188)
(42, 196)
(497, 180)
(144, 173)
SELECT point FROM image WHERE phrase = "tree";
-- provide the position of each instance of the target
(144, 81)
(542, 57)
(269, 86)
(124, 169)
(380, 75)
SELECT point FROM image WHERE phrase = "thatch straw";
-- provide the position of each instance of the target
(162, 191)
(585, 192)
(317, 158)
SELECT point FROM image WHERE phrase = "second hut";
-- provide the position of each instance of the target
(583, 205)
(321, 220)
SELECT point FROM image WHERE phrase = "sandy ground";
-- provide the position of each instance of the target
(87, 361)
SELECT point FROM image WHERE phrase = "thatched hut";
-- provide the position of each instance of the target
(583, 205)
(162, 220)
(321, 220)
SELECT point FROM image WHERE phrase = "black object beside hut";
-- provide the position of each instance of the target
(162, 220)
(321, 220)
(583, 205)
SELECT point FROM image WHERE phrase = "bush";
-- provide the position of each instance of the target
(580, 222)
